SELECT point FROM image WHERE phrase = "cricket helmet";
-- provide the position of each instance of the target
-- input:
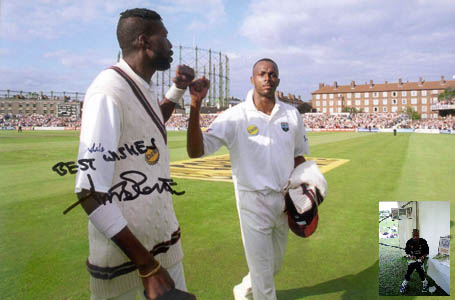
(304, 224)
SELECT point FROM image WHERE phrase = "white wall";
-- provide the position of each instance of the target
(434, 222)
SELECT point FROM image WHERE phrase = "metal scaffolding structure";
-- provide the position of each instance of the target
(213, 65)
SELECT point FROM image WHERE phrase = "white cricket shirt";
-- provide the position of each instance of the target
(262, 147)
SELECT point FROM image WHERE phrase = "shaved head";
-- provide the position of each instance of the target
(268, 60)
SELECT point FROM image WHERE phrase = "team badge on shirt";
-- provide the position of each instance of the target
(253, 130)
(152, 155)
(285, 126)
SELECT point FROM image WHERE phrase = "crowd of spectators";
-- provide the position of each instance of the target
(37, 120)
(315, 120)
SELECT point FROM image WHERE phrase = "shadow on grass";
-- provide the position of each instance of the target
(363, 285)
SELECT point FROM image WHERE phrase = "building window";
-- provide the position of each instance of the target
(424, 108)
(394, 109)
(366, 94)
(403, 93)
(331, 96)
(384, 94)
(394, 94)
(331, 110)
(324, 110)
(348, 102)
(403, 101)
(394, 101)
(367, 109)
(375, 109)
(384, 109)
(424, 93)
(403, 109)
(20, 105)
(424, 116)
(349, 95)
(330, 103)
(414, 108)
(318, 103)
(424, 100)
(340, 95)
(413, 100)
(434, 92)
(339, 109)
(375, 94)
(339, 102)
(384, 101)
(375, 102)
(357, 95)
(435, 100)
(357, 102)
(366, 102)
(318, 96)
(324, 103)
(324, 96)
(414, 93)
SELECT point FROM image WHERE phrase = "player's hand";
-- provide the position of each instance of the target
(158, 284)
(198, 90)
(184, 75)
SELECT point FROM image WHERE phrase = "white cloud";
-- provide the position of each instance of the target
(80, 60)
(204, 13)
(326, 41)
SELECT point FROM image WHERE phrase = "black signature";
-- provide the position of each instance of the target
(63, 168)
(135, 149)
(133, 186)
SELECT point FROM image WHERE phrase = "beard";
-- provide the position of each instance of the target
(162, 62)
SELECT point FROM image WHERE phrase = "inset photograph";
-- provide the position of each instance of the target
(414, 248)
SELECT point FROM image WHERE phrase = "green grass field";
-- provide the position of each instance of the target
(43, 252)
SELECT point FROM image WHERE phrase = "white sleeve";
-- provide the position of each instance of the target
(108, 219)
(100, 133)
(219, 133)
(301, 140)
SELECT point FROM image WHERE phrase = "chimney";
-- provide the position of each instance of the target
(335, 84)
(321, 85)
(443, 81)
(371, 83)
(420, 81)
(400, 82)
(352, 84)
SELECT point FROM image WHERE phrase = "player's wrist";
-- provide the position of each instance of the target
(174, 94)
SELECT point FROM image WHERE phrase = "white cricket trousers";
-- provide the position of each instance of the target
(176, 273)
(264, 227)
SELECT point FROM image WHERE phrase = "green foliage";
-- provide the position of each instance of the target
(412, 114)
(352, 110)
(447, 95)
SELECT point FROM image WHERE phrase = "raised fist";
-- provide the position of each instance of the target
(184, 75)
(198, 90)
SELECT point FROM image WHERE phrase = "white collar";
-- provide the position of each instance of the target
(138, 79)
(251, 106)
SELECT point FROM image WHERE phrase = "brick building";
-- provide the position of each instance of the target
(382, 97)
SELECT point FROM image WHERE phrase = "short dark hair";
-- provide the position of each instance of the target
(132, 23)
(266, 59)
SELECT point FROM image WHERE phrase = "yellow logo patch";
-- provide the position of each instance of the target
(253, 130)
(218, 168)
(152, 155)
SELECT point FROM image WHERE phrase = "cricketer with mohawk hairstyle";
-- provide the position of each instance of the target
(134, 235)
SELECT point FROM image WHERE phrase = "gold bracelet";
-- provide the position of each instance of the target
(152, 272)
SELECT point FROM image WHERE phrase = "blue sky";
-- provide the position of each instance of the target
(61, 45)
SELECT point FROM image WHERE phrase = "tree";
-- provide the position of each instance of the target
(412, 114)
(351, 110)
(447, 95)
